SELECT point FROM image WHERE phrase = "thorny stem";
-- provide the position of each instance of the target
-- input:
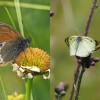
(90, 17)
(85, 34)
(79, 83)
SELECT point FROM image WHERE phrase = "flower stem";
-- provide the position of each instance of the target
(90, 17)
(28, 89)
(76, 75)
(79, 83)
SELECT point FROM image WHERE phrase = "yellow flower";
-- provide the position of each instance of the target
(16, 96)
(31, 61)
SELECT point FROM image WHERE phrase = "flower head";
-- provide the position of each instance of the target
(32, 61)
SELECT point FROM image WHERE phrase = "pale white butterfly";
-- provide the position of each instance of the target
(81, 46)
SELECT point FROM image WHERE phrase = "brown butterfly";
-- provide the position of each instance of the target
(11, 44)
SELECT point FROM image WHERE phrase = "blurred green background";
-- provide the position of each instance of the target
(36, 25)
(70, 19)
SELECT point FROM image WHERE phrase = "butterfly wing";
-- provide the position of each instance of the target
(81, 48)
(7, 33)
(86, 46)
(91, 43)
(72, 44)
(8, 36)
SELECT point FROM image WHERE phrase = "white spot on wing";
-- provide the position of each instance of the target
(1, 45)
(1, 60)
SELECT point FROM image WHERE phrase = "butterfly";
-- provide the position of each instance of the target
(11, 44)
(81, 46)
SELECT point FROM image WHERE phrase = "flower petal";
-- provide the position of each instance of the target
(15, 67)
(47, 77)
(29, 75)
(32, 68)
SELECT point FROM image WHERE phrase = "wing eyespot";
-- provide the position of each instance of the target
(0, 44)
